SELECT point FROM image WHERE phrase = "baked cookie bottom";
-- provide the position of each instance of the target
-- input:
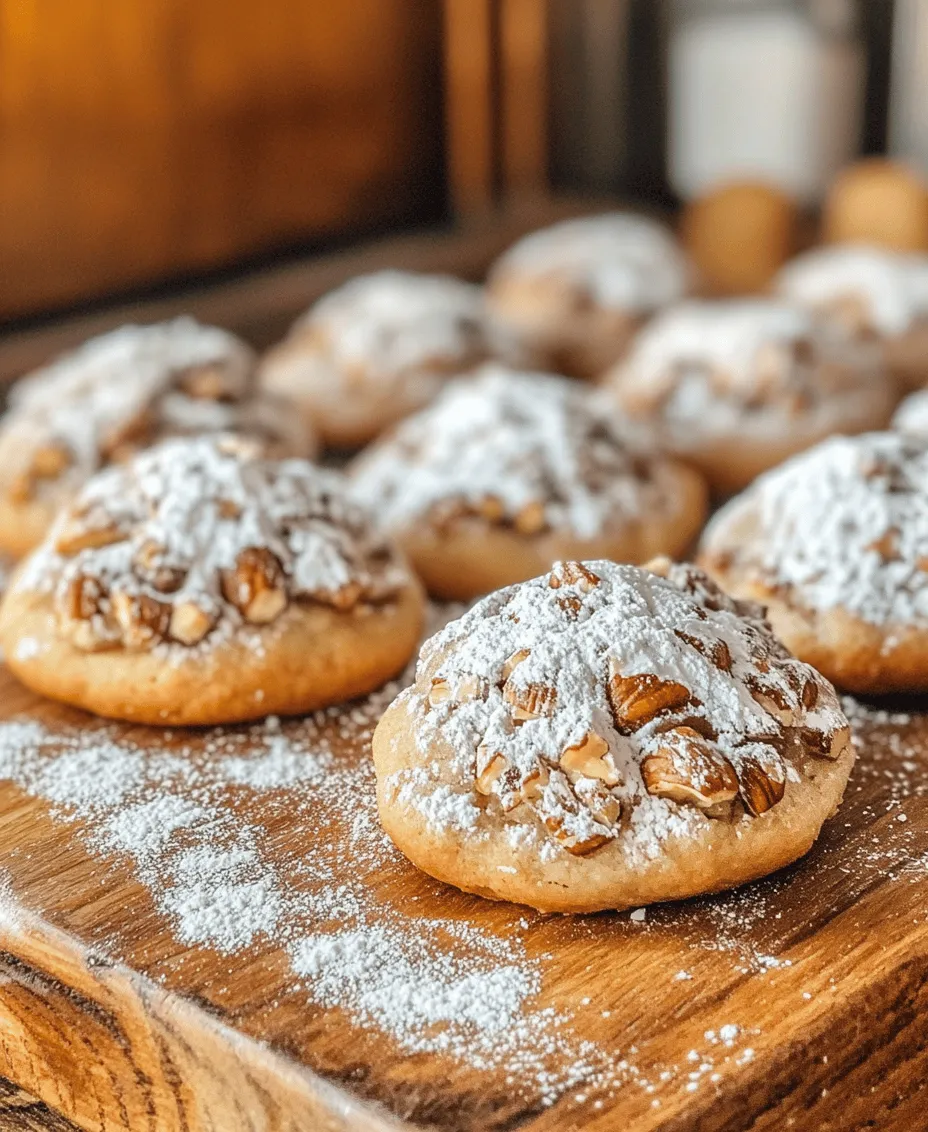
(472, 556)
(855, 655)
(484, 857)
(311, 657)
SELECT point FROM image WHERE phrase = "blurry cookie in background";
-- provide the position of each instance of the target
(870, 292)
(835, 545)
(379, 348)
(736, 386)
(577, 292)
(508, 472)
(204, 583)
(878, 201)
(116, 394)
(739, 235)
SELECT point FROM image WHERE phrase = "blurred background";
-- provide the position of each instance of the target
(145, 146)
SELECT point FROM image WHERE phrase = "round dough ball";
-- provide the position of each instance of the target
(380, 347)
(507, 472)
(739, 235)
(607, 736)
(119, 393)
(576, 293)
(736, 386)
(878, 202)
(835, 545)
(203, 583)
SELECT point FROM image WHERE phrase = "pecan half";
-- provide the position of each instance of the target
(686, 769)
(761, 786)
(636, 700)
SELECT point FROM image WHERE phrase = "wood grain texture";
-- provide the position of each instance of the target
(524, 96)
(143, 141)
(110, 1018)
(21, 1112)
(470, 104)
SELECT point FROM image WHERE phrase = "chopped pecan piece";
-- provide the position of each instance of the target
(512, 662)
(573, 574)
(144, 621)
(686, 769)
(761, 786)
(636, 700)
(189, 623)
(531, 519)
(77, 535)
(590, 758)
(256, 586)
(531, 701)
(825, 744)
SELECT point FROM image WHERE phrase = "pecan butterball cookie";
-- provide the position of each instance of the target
(835, 544)
(577, 292)
(508, 472)
(380, 347)
(871, 293)
(736, 387)
(606, 736)
(115, 394)
(204, 583)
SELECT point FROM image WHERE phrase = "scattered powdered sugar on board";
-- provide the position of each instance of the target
(194, 822)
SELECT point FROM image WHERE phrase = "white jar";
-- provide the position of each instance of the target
(763, 89)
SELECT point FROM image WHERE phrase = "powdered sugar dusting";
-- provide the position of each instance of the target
(747, 366)
(507, 440)
(548, 648)
(620, 260)
(844, 525)
(167, 532)
(886, 290)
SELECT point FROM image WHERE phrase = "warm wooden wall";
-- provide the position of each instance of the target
(146, 139)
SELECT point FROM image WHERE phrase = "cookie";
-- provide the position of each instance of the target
(116, 394)
(835, 544)
(735, 387)
(576, 293)
(607, 736)
(508, 472)
(871, 293)
(204, 583)
(379, 348)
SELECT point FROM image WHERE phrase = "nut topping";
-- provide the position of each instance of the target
(189, 623)
(491, 765)
(512, 661)
(572, 574)
(531, 519)
(256, 587)
(590, 758)
(761, 787)
(77, 536)
(685, 768)
(142, 619)
(636, 700)
(530, 702)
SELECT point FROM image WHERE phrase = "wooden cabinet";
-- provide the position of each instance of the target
(144, 141)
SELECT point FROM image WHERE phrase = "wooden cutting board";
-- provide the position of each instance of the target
(207, 930)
